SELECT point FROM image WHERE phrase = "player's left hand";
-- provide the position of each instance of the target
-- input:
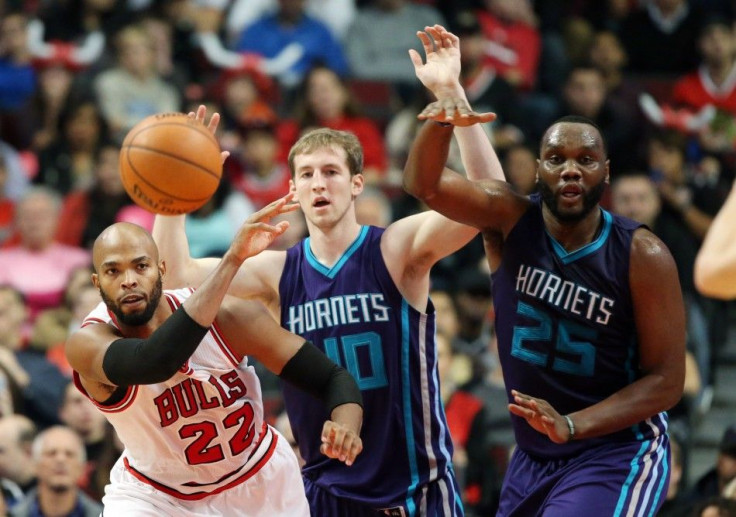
(200, 116)
(454, 110)
(340, 443)
(541, 416)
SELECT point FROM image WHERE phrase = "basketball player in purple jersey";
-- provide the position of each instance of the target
(589, 320)
(361, 295)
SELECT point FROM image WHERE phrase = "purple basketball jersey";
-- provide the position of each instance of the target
(565, 325)
(356, 315)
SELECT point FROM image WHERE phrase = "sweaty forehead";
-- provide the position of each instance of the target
(572, 135)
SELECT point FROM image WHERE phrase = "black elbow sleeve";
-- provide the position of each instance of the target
(130, 361)
(313, 372)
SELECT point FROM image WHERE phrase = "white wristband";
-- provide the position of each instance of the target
(570, 427)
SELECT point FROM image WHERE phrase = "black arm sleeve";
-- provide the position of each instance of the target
(130, 361)
(312, 371)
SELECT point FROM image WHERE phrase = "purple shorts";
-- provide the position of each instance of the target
(614, 479)
(440, 498)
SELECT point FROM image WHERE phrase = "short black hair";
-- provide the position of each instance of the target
(577, 119)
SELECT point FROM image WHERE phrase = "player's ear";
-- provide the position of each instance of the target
(96, 280)
(292, 186)
(608, 171)
(358, 182)
(162, 268)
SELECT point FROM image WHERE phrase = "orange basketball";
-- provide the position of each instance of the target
(170, 164)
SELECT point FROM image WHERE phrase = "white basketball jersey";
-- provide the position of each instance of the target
(198, 433)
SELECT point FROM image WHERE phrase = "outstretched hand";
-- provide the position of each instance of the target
(455, 111)
(340, 443)
(541, 416)
(201, 115)
(256, 234)
(441, 73)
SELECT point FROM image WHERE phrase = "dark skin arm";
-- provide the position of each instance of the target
(252, 331)
(660, 323)
(491, 206)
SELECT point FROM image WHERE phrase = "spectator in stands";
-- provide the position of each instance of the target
(58, 455)
(133, 89)
(637, 197)
(514, 42)
(52, 326)
(242, 95)
(100, 477)
(486, 89)
(712, 483)
(659, 37)
(75, 20)
(373, 207)
(39, 382)
(691, 196)
(7, 205)
(675, 504)
(55, 91)
(38, 266)
(17, 76)
(326, 101)
(466, 418)
(337, 15)
(86, 212)
(211, 228)
(13, 377)
(607, 54)
(68, 163)
(379, 38)
(712, 83)
(79, 414)
(716, 507)
(272, 33)
(520, 168)
(585, 94)
(16, 438)
(16, 182)
(254, 167)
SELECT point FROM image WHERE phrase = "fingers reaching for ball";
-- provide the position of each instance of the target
(257, 234)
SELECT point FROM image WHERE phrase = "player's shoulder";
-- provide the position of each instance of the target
(649, 251)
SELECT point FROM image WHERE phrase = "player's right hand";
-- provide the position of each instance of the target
(340, 443)
(256, 234)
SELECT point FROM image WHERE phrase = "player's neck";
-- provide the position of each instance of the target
(574, 235)
(329, 244)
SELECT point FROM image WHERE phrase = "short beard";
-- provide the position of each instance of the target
(140, 318)
(591, 199)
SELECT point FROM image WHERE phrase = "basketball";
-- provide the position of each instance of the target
(170, 163)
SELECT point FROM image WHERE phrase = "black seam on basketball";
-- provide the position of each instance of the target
(199, 127)
(174, 156)
(157, 189)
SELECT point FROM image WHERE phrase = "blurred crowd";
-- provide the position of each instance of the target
(657, 76)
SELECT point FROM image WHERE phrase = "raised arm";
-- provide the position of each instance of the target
(256, 334)
(715, 265)
(660, 323)
(257, 279)
(441, 75)
(171, 239)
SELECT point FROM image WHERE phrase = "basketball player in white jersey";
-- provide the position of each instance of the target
(170, 372)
